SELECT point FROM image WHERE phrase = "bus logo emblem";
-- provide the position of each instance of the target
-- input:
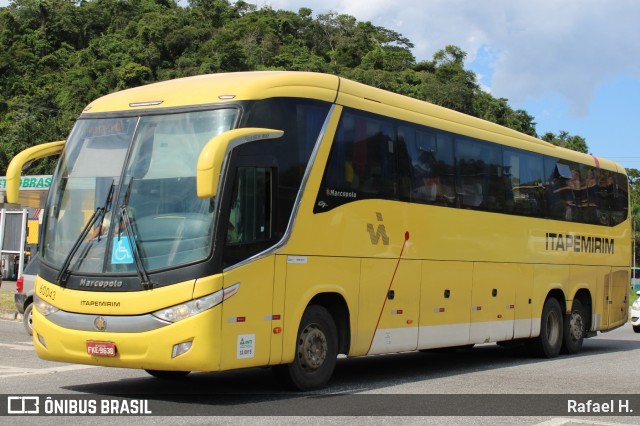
(100, 323)
(381, 232)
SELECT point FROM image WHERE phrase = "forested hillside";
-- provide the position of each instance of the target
(58, 55)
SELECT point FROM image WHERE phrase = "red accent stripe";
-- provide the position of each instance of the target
(595, 159)
(406, 238)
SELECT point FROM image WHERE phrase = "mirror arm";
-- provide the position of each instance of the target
(212, 156)
(14, 171)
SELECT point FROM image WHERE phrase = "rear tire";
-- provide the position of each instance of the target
(168, 375)
(549, 343)
(27, 319)
(574, 329)
(316, 352)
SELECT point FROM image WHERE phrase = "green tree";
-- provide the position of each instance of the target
(566, 140)
(634, 209)
(446, 81)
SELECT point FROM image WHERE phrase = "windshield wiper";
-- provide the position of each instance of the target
(133, 243)
(135, 252)
(99, 212)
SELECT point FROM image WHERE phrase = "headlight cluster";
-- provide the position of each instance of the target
(188, 309)
(43, 307)
(636, 305)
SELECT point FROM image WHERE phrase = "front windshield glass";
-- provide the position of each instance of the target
(168, 224)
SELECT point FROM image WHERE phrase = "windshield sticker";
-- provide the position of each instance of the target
(121, 253)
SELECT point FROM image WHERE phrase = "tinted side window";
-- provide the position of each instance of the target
(525, 193)
(560, 195)
(361, 163)
(585, 194)
(620, 209)
(431, 169)
(480, 183)
(378, 157)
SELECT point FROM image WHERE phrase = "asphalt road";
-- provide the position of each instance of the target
(372, 390)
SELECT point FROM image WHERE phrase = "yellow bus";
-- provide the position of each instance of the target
(281, 219)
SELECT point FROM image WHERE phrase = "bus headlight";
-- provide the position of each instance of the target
(185, 310)
(43, 307)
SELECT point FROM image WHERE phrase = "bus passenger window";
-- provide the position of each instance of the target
(524, 175)
(604, 180)
(362, 162)
(431, 165)
(621, 199)
(480, 182)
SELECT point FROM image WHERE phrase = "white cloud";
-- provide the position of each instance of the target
(568, 47)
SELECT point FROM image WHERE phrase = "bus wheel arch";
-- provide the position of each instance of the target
(549, 343)
(337, 307)
(323, 333)
(315, 354)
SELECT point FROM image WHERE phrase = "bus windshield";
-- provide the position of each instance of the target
(141, 169)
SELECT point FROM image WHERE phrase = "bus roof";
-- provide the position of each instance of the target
(211, 89)
(219, 88)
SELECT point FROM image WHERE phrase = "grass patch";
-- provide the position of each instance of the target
(7, 302)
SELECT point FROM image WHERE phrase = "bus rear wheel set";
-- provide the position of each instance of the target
(559, 333)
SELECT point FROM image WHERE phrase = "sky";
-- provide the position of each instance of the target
(574, 65)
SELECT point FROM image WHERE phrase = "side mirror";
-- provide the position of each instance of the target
(213, 155)
(24, 158)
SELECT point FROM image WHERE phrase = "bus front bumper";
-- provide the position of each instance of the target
(192, 344)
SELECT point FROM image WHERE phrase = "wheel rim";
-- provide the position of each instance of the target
(312, 348)
(553, 327)
(576, 326)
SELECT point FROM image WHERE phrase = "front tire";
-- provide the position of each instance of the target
(27, 319)
(316, 352)
(636, 328)
(574, 329)
(549, 343)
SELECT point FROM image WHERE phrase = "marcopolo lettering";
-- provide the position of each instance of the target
(342, 194)
(84, 282)
(579, 243)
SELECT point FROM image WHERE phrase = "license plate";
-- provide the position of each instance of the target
(101, 348)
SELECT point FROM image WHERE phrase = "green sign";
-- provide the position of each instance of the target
(40, 182)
